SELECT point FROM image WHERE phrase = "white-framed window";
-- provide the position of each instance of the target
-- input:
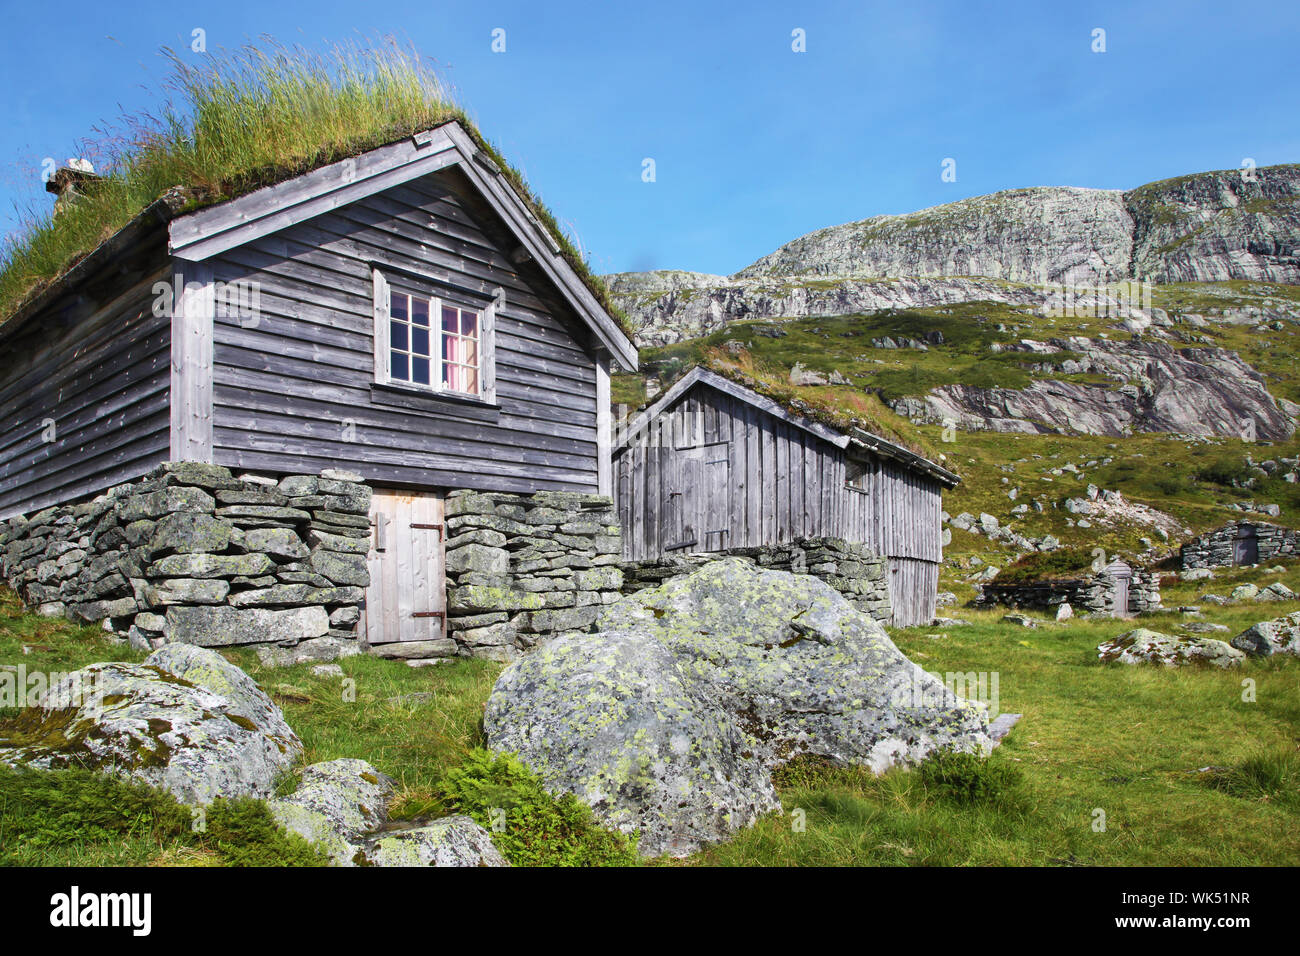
(432, 341)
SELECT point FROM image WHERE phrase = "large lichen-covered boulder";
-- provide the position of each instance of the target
(1278, 636)
(185, 720)
(670, 719)
(449, 841)
(1144, 646)
(336, 805)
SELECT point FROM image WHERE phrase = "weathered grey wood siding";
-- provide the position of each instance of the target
(714, 472)
(99, 369)
(292, 392)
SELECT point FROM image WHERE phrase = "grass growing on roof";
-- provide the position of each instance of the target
(235, 122)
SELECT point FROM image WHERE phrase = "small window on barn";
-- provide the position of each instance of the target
(432, 342)
(855, 475)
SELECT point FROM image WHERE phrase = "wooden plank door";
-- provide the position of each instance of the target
(1121, 595)
(1245, 549)
(715, 498)
(407, 597)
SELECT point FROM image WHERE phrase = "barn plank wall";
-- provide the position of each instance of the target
(293, 389)
(100, 371)
(714, 472)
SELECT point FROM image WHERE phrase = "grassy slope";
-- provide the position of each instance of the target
(1128, 740)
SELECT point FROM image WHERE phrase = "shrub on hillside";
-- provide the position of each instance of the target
(969, 779)
(529, 825)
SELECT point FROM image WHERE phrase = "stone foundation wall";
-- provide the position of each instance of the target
(1214, 548)
(1094, 595)
(524, 568)
(851, 569)
(192, 553)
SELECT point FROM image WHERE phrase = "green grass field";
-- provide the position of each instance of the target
(1185, 770)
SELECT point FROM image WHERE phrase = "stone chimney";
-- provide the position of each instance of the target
(71, 181)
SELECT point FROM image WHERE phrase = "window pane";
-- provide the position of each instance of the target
(449, 319)
(420, 370)
(469, 323)
(420, 312)
(399, 368)
(397, 334)
(469, 351)
(469, 378)
(448, 375)
(419, 341)
(397, 306)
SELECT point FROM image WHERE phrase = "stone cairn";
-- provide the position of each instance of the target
(523, 568)
(192, 553)
(852, 569)
(1214, 549)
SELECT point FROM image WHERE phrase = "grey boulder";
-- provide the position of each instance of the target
(1278, 636)
(670, 719)
(1144, 646)
(449, 841)
(185, 720)
(336, 805)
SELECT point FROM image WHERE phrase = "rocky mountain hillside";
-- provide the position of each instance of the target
(1207, 227)
(1196, 392)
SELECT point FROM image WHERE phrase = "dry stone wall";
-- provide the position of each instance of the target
(1093, 595)
(851, 569)
(524, 568)
(194, 554)
(1214, 549)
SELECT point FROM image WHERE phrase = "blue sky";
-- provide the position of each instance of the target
(754, 144)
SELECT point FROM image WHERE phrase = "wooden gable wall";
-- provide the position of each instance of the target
(293, 393)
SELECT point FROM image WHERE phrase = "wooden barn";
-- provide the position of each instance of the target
(712, 465)
(403, 314)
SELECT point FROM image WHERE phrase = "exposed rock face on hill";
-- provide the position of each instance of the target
(1201, 392)
(1204, 227)
(1023, 235)
(1215, 226)
(670, 719)
(695, 304)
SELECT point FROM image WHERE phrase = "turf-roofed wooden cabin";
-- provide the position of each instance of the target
(402, 314)
(713, 465)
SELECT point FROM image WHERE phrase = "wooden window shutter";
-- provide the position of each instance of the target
(488, 351)
(381, 327)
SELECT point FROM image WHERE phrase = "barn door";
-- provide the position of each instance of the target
(681, 480)
(407, 597)
(715, 498)
(1245, 547)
